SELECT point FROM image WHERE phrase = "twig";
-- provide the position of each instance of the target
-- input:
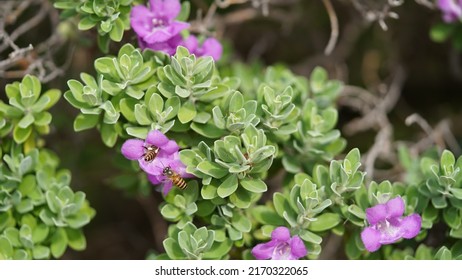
(454, 63)
(370, 119)
(333, 27)
(381, 146)
(417, 119)
(426, 3)
(16, 55)
(26, 26)
(11, 17)
(223, 4)
(439, 135)
(377, 14)
(444, 127)
(158, 224)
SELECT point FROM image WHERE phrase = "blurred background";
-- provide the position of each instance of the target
(392, 59)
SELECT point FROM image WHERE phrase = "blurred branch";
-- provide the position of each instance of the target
(440, 135)
(333, 26)
(455, 64)
(159, 226)
(374, 116)
(223, 4)
(372, 11)
(38, 60)
(382, 108)
(26, 26)
(427, 3)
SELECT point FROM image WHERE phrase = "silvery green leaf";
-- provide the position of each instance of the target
(308, 236)
(142, 115)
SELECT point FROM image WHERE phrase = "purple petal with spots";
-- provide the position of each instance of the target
(391, 232)
(388, 226)
(281, 246)
(133, 149)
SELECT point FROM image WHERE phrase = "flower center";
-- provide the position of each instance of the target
(158, 22)
(387, 228)
(282, 251)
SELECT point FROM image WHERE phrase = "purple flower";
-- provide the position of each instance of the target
(157, 175)
(157, 147)
(281, 246)
(210, 47)
(452, 9)
(387, 224)
(157, 24)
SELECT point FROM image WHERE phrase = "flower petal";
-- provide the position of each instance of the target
(170, 147)
(154, 179)
(297, 247)
(156, 5)
(160, 47)
(280, 234)
(171, 8)
(391, 231)
(141, 20)
(190, 43)
(376, 214)
(448, 6)
(158, 35)
(371, 239)
(452, 11)
(213, 48)
(264, 251)
(177, 26)
(395, 207)
(133, 149)
(154, 167)
(156, 138)
(411, 225)
(167, 187)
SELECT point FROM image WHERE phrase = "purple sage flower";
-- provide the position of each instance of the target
(281, 246)
(157, 24)
(210, 47)
(387, 224)
(158, 177)
(150, 152)
(452, 9)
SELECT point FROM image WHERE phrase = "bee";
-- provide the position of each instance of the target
(151, 153)
(175, 178)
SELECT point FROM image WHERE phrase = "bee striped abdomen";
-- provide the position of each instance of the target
(179, 182)
(175, 178)
(151, 153)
